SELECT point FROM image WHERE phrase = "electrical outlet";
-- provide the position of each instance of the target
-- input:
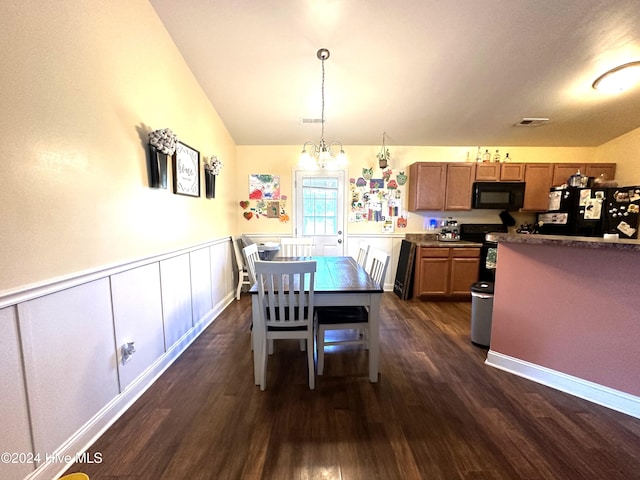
(127, 350)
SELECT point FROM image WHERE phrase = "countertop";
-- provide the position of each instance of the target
(431, 240)
(565, 241)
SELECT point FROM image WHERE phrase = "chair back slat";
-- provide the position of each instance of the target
(363, 252)
(237, 251)
(251, 255)
(296, 247)
(286, 292)
(378, 267)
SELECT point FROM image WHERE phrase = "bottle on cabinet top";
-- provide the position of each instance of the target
(486, 156)
(496, 157)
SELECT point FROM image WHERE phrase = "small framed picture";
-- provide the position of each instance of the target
(186, 170)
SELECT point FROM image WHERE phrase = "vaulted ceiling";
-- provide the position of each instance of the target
(426, 72)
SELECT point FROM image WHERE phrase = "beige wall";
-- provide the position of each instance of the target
(83, 82)
(625, 151)
(282, 160)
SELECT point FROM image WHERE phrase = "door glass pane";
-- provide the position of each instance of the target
(320, 197)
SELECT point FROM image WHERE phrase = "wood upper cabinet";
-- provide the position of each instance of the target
(562, 171)
(512, 172)
(449, 185)
(538, 177)
(460, 177)
(440, 186)
(445, 272)
(427, 186)
(607, 170)
(487, 172)
(499, 172)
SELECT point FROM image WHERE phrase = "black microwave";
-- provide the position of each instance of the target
(498, 195)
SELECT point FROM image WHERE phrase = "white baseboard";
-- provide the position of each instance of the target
(593, 392)
(80, 441)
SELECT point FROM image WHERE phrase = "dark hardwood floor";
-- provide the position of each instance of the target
(437, 413)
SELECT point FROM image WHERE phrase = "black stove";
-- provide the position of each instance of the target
(476, 232)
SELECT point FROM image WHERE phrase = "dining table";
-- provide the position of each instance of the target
(339, 281)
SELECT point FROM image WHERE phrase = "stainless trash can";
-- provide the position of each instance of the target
(481, 313)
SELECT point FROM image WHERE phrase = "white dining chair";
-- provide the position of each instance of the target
(251, 255)
(296, 247)
(363, 252)
(243, 272)
(286, 307)
(349, 317)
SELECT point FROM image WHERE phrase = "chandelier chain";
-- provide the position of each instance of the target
(322, 118)
(322, 155)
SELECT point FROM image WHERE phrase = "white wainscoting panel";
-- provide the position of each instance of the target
(137, 314)
(201, 302)
(175, 281)
(14, 435)
(69, 358)
(388, 244)
(222, 271)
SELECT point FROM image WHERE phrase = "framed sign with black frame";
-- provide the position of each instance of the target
(186, 170)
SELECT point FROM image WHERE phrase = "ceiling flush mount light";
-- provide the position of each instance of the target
(618, 79)
(322, 155)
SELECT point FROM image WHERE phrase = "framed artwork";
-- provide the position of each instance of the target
(264, 186)
(186, 170)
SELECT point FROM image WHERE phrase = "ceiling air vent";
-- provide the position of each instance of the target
(531, 122)
(310, 120)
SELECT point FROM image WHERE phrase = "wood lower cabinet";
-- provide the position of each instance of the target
(445, 271)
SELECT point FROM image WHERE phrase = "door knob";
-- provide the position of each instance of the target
(339, 232)
(339, 240)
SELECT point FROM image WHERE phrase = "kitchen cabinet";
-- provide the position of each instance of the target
(562, 171)
(512, 172)
(427, 186)
(487, 172)
(459, 186)
(440, 186)
(445, 271)
(606, 170)
(538, 178)
(500, 172)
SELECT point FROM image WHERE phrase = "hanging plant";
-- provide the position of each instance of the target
(384, 157)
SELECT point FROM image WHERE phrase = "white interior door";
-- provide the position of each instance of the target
(319, 210)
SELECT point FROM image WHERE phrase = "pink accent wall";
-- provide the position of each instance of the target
(573, 310)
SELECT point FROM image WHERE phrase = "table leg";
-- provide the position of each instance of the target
(256, 338)
(374, 336)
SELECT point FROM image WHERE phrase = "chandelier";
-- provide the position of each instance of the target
(322, 155)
